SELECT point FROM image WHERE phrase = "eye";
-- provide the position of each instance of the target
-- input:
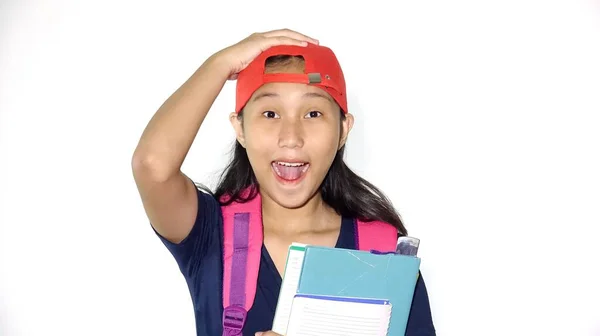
(270, 114)
(313, 114)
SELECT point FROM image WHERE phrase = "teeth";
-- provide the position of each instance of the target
(277, 167)
(288, 164)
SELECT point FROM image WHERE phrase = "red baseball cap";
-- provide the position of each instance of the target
(321, 69)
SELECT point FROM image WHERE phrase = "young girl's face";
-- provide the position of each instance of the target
(291, 133)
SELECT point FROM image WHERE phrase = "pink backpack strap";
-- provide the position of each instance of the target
(377, 236)
(243, 239)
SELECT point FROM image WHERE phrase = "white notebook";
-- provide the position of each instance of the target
(289, 286)
(314, 315)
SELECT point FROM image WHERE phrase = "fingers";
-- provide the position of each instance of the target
(266, 333)
(283, 40)
(290, 34)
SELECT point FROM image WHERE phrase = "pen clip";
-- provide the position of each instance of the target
(381, 252)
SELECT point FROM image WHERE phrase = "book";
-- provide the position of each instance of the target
(322, 315)
(289, 286)
(341, 272)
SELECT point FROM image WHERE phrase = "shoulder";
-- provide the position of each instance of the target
(204, 238)
(208, 203)
(209, 215)
(206, 197)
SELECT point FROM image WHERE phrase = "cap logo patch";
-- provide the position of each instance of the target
(314, 78)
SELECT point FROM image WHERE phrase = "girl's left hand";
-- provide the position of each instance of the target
(266, 333)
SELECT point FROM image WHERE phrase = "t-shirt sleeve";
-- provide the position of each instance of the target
(203, 237)
(420, 322)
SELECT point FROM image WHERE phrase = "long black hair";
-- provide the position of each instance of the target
(347, 193)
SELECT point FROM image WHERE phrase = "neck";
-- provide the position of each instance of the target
(314, 216)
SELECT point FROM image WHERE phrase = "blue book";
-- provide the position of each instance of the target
(335, 272)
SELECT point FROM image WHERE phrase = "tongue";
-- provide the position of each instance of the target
(289, 173)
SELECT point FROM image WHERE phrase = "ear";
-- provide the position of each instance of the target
(236, 123)
(347, 124)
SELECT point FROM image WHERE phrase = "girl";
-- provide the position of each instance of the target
(290, 130)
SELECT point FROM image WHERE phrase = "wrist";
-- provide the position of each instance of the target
(219, 64)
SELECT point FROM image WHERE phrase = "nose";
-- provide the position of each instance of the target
(291, 133)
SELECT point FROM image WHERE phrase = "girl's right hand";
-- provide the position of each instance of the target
(239, 55)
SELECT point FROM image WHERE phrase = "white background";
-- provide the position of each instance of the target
(478, 118)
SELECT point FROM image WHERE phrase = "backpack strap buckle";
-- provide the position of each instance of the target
(234, 318)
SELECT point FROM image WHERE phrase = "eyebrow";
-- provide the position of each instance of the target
(306, 95)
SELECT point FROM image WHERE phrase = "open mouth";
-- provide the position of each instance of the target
(290, 171)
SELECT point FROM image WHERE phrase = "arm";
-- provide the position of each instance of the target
(420, 321)
(168, 196)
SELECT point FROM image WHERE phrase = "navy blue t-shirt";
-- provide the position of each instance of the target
(199, 257)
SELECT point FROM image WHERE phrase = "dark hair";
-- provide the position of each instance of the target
(347, 193)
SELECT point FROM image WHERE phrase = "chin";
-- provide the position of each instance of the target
(291, 199)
